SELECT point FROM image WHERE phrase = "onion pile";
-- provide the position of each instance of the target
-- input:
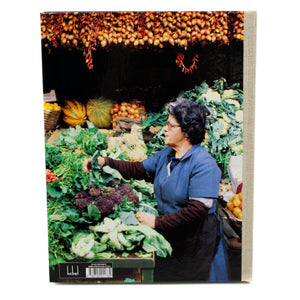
(91, 30)
(134, 111)
(140, 28)
(238, 27)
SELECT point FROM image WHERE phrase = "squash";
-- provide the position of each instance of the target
(74, 113)
(98, 112)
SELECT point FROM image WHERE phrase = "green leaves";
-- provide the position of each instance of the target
(128, 217)
(88, 140)
(93, 212)
(53, 156)
(155, 119)
(53, 189)
(224, 136)
(119, 235)
(102, 175)
(65, 220)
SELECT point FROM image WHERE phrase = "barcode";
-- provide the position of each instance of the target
(96, 272)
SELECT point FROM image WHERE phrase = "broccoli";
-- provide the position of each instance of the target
(105, 205)
(96, 192)
(81, 202)
(115, 197)
(115, 182)
(92, 186)
(127, 187)
(82, 194)
(105, 198)
(133, 197)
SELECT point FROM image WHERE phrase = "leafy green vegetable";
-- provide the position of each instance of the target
(155, 119)
(72, 178)
(157, 143)
(101, 176)
(82, 244)
(88, 140)
(224, 137)
(152, 240)
(85, 246)
(53, 156)
(66, 220)
(93, 212)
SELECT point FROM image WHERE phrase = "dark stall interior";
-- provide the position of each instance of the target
(148, 75)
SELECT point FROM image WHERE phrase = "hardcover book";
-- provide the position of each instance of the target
(124, 94)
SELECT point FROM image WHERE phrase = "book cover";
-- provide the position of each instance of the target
(109, 80)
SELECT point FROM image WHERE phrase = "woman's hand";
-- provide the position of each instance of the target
(87, 164)
(101, 161)
(146, 218)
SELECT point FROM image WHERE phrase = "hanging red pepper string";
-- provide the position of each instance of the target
(88, 58)
(91, 46)
(180, 63)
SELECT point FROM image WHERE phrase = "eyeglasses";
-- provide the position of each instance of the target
(170, 125)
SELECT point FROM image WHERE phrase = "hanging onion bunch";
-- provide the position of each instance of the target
(238, 26)
(88, 31)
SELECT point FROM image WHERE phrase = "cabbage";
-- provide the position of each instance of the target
(82, 245)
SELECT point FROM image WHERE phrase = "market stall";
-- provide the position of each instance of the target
(107, 79)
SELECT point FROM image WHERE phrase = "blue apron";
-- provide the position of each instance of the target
(219, 269)
(172, 193)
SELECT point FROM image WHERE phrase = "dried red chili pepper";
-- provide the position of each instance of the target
(180, 63)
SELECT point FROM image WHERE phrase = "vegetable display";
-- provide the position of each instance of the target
(81, 207)
(83, 140)
(50, 176)
(224, 134)
(129, 110)
(132, 144)
(105, 198)
(51, 106)
(235, 205)
(126, 237)
(78, 204)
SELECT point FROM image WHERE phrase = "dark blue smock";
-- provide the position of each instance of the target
(196, 175)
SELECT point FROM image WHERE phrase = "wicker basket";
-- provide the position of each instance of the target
(51, 118)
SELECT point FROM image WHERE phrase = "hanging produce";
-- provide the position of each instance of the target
(89, 31)
(180, 63)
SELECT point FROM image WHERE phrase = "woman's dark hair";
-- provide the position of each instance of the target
(191, 117)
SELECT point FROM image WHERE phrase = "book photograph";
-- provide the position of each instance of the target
(149, 132)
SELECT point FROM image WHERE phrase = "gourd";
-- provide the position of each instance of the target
(98, 112)
(74, 113)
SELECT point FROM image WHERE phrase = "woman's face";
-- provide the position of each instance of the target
(174, 134)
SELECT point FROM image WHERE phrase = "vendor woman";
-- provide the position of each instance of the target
(186, 186)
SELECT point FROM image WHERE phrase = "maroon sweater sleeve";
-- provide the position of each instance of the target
(128, 169)
(194, 211)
